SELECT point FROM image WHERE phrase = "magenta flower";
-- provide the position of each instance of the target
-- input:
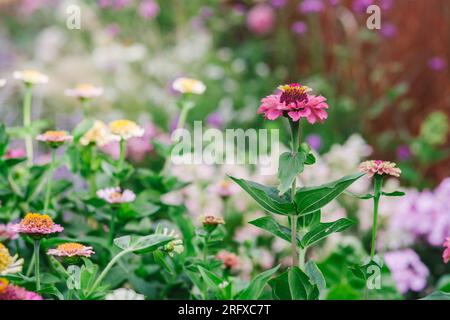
(148, 9)
(260, 19)
(299, 27)
(380, 167)
(446, 253)
(311, 6)
(437, 63)
(37, 225)
(12, 292)
(295, 103)
(116, 195)
(15, 154)
(408, 271)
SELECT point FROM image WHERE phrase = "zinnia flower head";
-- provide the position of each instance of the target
(99, 135)
(261, 19)
(116, 195)
(55, 138)
(229, 260)
(446, 253)
(379, 167)
(71, 250)
(9, 264)
(210, 220)
(15, 154)
(12, 292)
(224, 189)
(37, 225)
(294, 102)
(30, 77)
(84, 91)
(126, 129)
(188, 85)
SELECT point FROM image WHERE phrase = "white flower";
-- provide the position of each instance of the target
(124, 294)
(84, 91)
(2, 82)
(9, 264)
(188, 85)
(116, 195)
(126, 129)
(31, 76)
(99, 134)
(174, 246)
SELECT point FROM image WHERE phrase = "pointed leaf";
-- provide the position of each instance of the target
(271, 225)
(315, 275)
(290, 166)
(266, 197)
(393, 194)
(323, 230)
(256, 286)
(314, 198)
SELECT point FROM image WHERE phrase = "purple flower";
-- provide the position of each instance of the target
(215, 120)
(278, 3)
(333, 2)
(403, 152)
(360, 6)
(437, 63)
(299, 27)
(148, 9)
(311, 6)
(408, 271)
(314, 140)
(388, 30)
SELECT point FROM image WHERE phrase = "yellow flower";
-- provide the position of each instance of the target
(30, 76)
(99, 134)
(3, 285)
(126, 129)
(9, 264)
(188, 85)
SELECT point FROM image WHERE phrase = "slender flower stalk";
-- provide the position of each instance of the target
(48, 191)
(37, 244)
(122, 153)
(378, 182)
(27, 123)
(112, 225)
(295, 143)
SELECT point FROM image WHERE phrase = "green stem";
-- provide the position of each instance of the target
(27, 123)
(378, 181)
(30, 266)
(91, 179)
(112, 226)
(48, 191)
(86, 106)
(123, 146)
(205, 249)
(295, 143)
(106, 270)
(37, 244)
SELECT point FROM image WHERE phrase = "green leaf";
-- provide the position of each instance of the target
(271, 225)
(393, 194)
(342, 292)
(4, 139)
(437, 295)
(359, 196)
(80, 130)
(256, 286)
(51, 290)
(315, 275)
(266, 197)
(310, 159)
(293, 284)
(323, 230)
(290, 166)
(142, 244)
(314, 198)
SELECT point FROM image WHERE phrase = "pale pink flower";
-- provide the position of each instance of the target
(7, 232)
(55, 138)
(229, 260)
(84, 91)
(224, 188)
(446, 253)
(380, 167)
(71, 250)
(116, 195)
(36, 224)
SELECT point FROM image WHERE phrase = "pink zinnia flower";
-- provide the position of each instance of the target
(116, 195)
(12, 292)
(15, 154)
(71, 249)
(229, 260)
(380, 167)
(294, 102)
(37, 225)
(224, 189)
(55, 138)
(260, 19)
(84, 91)
(7, 232)
(148, 9)
(446, 253)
